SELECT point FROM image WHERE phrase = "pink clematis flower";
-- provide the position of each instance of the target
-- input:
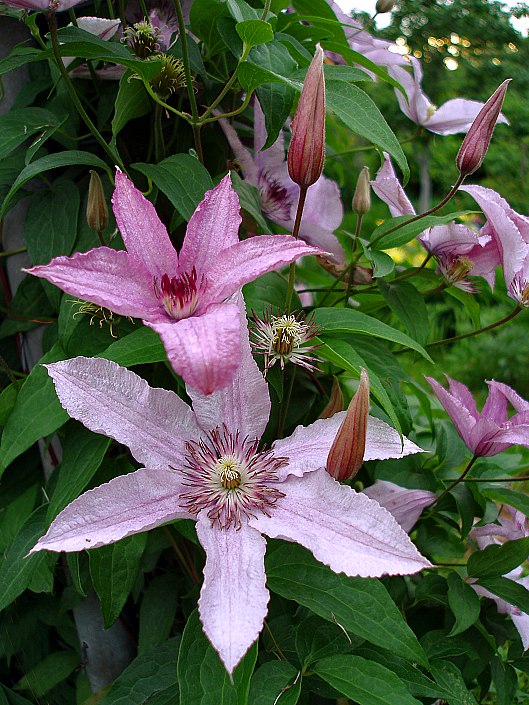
(456, 115)
(459, 251)
(184, 297)
(405, 505)
(268, 172)
(205, 463)
(491, 431)
(42, 5)
(510, 232)
(513, 525)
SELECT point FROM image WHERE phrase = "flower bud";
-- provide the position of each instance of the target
(362, 196)
(384, 6)
(306, 153)
(476, 143)
(96, 209)
(335, 401)
(348, 448)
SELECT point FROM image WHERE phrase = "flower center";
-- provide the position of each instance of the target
(520, 290)
(455, 268)
(229, 478)
(180, 296)
(276, 201)
(283, 337)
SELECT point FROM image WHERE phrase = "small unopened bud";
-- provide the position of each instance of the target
(362, 196)
(348, 448)
(384, 6)
(335, 401)
(476, 143)
(96, 209)
(306, 153)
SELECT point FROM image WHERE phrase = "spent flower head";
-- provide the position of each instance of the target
(284, 338)
(171, 76)
(142, 37)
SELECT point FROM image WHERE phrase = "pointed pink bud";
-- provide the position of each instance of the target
(476, 143)
(306, 153)
(362, 196)
(335, 403)
(348, 448)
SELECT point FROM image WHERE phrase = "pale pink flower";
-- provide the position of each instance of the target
(104, 29)
(182, 296)
(267, 170)
(406, 505)
(42, 5)
(205, 463)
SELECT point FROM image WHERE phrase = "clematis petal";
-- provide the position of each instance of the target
(404, 504)
(515, 399)
(308, 447)
(457, 115)
(495, 407)
(213, 227)
(124, 506)
(461, 392)
(461, 416)
(388, 189)
(250, 258)
(143, 232)
(244, 405)
(345, 530)
(109, 399)
(273, 157)
(233, 600)
(106, 277)
(204, 350)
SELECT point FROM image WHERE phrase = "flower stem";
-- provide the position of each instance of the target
(283, 409)
(496, 479)
(229, 84)
(159, 146)
(434, 209)
(8, 253)
(295, 233)
(456, 482)
(472, 333)
(189, 567)
(112, 155)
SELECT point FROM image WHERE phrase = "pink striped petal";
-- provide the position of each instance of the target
(143, 233)
(247, 260)
(347, 531)
(213, 227)
(124, 506)
(514, 398)
(404, 504)
(233, 600)
(387, 187)
(109, 399)
(244, 405)
(204, 350)
(461, 416)
(308, 447)
(106, 277)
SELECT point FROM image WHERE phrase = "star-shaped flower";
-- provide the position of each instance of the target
(206, 464)
(182, 296)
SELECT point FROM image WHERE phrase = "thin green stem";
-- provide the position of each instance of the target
(159, 146)
(283, 410)
(228, 85)
(496, 479)
(456, 482)
(358, 230)
(144, 10)
(266, 9)
(114, 157)
(472, 333)
(434, 209)
(337, 281)
(188, 567)
(159, 101)
(8, 253)
(295, 233)
(232, 113)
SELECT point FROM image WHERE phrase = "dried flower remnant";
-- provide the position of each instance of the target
(142, 38)
(476, 143)
(284, 338)
(171, 76)
(204, 464)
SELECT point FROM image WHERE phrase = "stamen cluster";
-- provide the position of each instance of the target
(276, 201)
(455, 268)
(229, 478)
(283, 338)
(180, 296)
(520, 290)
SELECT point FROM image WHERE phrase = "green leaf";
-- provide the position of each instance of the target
(240, 10)
(150, 674)
(505, 681)
(497, 560)
(18, 125)
(316, 638)
(28, 308)
(509, 590)
(366, 682)
(345, 356)
(182, 178)
(17, 568)
(202, 678)
(73, 157)
(114, 570)
(470, 303)
(267, 291)
(361, 606)
(504, 495)
(450, 679)
(345, 320)
(8, 399)
(406, 233)
(254, 32)
(37, 411)
(463, 602)
(132, 101)
(139, 347)
(82, 454)
(157, 612)
(204, 17)
(360, 114)
(409, 307)
(49, 672)
(381, 262)
(271, 683)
